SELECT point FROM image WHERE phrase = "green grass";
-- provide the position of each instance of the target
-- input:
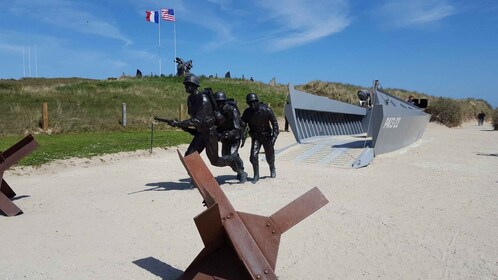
(95, 106)
(84, 115)
(86, 145)
(83, 105)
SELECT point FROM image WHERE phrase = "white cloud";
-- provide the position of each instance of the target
(300, 22)
(224, 5)
(57, 57)
(223, 34)
(10, 49)
(415, 12)
(210, 20)
(281, 24)
(69, 15)
(140, 54)
(14, 43)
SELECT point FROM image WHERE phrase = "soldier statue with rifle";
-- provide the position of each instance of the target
(230, 128)
(204, 116)
(263, 129)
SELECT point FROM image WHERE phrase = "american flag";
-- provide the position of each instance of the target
(168, 14)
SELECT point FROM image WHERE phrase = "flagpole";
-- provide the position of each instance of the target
(29, 61)
(159, 19)
(174, 39)
(23, 63)
(36, 64)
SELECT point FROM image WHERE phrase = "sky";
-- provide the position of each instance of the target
(443, 48)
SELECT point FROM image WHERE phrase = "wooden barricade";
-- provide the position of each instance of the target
(239, 245)
(7, 159)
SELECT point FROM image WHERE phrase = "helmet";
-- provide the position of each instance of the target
(220, 96)
(251, 97)
(192, 79)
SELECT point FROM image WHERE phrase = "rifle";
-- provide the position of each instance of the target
(168, 121)
(217, 114)
(175, 123)
(245, 132)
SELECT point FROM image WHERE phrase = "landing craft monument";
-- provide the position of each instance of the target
(384, 122)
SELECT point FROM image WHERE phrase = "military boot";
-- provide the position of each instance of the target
(273, 173)
(255, 178)
(238, 166)
(242, 176)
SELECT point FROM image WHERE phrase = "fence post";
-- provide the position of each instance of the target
(181, 112)
(151, 136)
(45, 116)
(123, 116)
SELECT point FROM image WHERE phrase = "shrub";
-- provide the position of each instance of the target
(472, 107)
(9, 86)
(446, 111)
(495, 118)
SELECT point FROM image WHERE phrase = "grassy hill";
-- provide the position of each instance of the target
(84, 115)
(78, 105)
(83, 105)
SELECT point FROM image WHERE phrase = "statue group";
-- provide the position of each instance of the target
(215, 118)
(183, 67)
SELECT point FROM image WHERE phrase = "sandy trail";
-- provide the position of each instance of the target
(428, 211)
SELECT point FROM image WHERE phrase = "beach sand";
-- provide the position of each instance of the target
(427, 211)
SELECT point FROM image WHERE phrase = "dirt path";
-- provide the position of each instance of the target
(428, 211)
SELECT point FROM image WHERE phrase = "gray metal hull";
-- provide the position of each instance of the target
(390, 123)
(394, 123)
(311, 115)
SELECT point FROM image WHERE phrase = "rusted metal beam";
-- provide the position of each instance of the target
(7, 159)
(7, 206)
(239, 245)
(298, 210)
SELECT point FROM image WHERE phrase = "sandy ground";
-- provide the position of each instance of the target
(428, 211)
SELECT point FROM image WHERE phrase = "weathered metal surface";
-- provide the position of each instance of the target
(7, 159)
(7, 206)
(298, 210)
(5, 189)
(364, 159)
(265, 233)
(239, 245)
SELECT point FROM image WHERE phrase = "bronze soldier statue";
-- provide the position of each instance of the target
(263, 129)
(182, 67)
(230, 130)
(204, 115)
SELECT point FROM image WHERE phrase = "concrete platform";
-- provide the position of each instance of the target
(333, 151)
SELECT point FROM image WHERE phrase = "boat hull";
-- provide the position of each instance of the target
(389, 122)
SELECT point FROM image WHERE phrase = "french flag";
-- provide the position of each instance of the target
(152, 16)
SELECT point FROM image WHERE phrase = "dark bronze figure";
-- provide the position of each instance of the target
(182, 67)
(204, 116)
(263, 129)
(230, 130)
